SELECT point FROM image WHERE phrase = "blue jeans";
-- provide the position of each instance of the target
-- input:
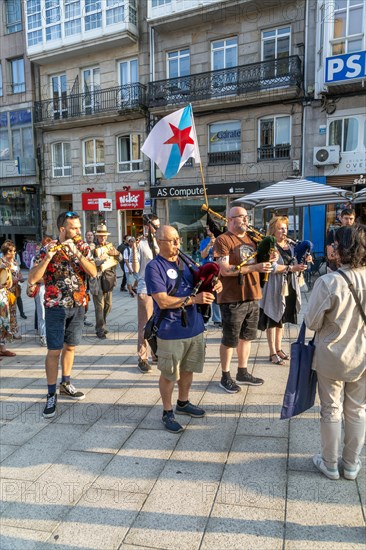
(64, 326)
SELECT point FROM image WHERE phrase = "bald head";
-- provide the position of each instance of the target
(238, 219)
(168, 240)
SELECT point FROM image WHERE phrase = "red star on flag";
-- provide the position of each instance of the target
(180, 137)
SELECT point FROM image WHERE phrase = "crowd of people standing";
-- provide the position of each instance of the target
(69, 269)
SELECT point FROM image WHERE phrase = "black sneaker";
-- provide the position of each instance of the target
(229, 385)
(144, 366)
(248, 380)
(50, 409)
(101, 336)
(68, 389)
(88, 324)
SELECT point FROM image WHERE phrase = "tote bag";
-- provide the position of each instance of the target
(301, 384)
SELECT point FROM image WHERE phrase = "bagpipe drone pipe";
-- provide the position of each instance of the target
(265, 250)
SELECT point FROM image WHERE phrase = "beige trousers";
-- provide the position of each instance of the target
(331, 394)
(144, 311)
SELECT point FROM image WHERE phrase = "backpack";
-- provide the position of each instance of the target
(108, 280)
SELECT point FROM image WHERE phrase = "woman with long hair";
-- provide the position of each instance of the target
(9, 251)
(281, 297)
(338, 317)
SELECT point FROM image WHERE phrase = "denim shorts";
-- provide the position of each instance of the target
(64, 326)
(187, 354)
(239, 321)
(132, 278)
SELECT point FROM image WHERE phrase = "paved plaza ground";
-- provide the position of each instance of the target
(103, 474)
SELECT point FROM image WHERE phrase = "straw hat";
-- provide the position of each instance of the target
(102, 230)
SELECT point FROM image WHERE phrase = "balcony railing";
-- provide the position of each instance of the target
(266, 75)
(274, 152)
(224, 157)
(119, 99)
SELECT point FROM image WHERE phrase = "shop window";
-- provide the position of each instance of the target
(17, 208)
(93, 150)
(348, 24)
(274, 141)
(344, 132)
(17, 75)
(61, 160)
(129, 153)
(224, 143)
(13, 16)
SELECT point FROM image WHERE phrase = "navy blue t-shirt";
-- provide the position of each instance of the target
(161, 276)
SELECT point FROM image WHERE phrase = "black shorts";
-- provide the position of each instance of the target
(239, 321)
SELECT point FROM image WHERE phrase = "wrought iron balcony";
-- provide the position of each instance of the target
(235, 81)
(224, 157)
(274, 152)
(121, 99)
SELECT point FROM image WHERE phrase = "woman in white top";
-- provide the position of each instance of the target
(340, 354)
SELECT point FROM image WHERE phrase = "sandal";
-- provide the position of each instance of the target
(282, 354)
(276, 360)
(7, 353)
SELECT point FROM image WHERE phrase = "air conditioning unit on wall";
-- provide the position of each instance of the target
(323, 156)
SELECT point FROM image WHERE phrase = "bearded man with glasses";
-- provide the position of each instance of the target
(239, 298)
(64, 265)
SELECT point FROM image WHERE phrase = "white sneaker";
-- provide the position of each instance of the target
(43, 341)
(352, 473)
(330, 473)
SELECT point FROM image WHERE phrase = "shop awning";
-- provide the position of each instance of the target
(294, 193)
(360, 196)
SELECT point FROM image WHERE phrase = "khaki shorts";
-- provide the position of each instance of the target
(187, 355)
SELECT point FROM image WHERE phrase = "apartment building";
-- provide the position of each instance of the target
(108, 70)
(240, 64)
(90, 113)
(19, 187)
(335, 115)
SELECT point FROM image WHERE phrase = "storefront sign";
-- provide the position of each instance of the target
(349, 66)
(130, 200)
(105, 205)
(89, 201)
(194, 191)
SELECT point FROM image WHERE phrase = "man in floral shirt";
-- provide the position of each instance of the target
(63, 265)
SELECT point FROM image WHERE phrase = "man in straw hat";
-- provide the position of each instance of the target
(106, 257)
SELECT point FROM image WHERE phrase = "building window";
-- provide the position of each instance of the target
(1, 80)
(93, 14)
(348, 27)
(224, 143)
(72, 17)
(13, 15)
(91, 90)
(16, 135)
(61, 160)
(129, 153)
(59, 96)
(274, 138)
(156, 3)
(53, 19)
(115, 11)
(34, 22)
(17, 76)
(94, 157)
(344, 132)
(178, 63)
(224, 53)
(276, 44)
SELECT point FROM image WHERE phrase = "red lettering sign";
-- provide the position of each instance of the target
(130, 200)
(89, 201)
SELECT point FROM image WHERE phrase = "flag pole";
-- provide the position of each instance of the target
(205, 206)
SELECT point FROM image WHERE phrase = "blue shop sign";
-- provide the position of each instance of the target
(349, 66)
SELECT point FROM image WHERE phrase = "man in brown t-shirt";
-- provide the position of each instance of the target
(238, 299)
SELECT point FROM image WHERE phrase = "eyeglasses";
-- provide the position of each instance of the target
(245, 217)
(174, 241)
(71, 215)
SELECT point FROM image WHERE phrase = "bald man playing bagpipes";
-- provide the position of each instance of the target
(178, 289)
(236, 253)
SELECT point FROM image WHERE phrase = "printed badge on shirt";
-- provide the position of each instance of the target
(245, 252)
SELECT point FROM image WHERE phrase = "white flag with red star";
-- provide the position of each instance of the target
(172, 142)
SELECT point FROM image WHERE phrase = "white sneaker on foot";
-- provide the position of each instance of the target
(352, 473)
(319, 463)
